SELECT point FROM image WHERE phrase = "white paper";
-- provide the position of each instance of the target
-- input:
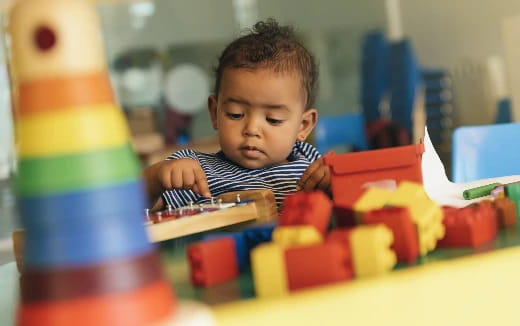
(440, 189)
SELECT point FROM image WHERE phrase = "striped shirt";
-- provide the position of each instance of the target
(224, 175)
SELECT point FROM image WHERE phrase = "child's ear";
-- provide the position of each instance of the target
(309, 119)
(212, 108)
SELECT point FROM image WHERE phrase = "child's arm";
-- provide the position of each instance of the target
(183, 173)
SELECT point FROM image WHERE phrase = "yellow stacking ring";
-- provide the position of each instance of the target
(71, 131)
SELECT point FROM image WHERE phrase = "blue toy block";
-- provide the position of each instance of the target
(257, 234)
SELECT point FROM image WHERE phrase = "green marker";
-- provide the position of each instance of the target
(479, 191)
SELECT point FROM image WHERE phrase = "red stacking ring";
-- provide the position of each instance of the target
(82, 281)
(142, 306)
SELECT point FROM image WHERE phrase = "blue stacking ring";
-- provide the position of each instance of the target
(74, 211)
(84, 226)
(92, 245)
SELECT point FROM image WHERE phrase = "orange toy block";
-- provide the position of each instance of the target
(470, 226)
(399, 221)
(212, 261)
(311, 208)
(318, 264)
(352, 171)
(506, 212)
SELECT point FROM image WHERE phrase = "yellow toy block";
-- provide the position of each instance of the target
(296, 235)
(425, 213)
(427, 216)
(269, 271)
(372, 198)
(370, 248)
(406, 194)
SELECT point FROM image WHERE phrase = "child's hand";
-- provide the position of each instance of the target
(317, 176)
(183, 173)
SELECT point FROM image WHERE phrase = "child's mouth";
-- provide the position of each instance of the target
(251, 152)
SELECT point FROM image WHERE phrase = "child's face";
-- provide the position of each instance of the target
(259, 114)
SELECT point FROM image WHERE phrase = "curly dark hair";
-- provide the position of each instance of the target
(269, 45)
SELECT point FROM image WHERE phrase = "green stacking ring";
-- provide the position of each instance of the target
(55, 174)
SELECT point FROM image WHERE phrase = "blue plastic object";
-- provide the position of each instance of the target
(405, 77)
(92, 246)
(340, 130)
(487, 151)
(374, 73)
(503, 111)
(259, 233)
(74, 212)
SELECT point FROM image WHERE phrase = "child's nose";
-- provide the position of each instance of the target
(251, 128)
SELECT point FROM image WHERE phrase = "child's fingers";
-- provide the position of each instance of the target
(324, 183)
(314, 179)
(164, 177)
(202, 183)
(188, 179)
(308, 174)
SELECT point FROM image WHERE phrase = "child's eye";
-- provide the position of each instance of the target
(234, 116)
(274, 121)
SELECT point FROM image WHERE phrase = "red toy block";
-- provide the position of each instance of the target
(351, 171)
(307, 208)
(212, 262)
(341, 235)
(399, 220)
(470, 226)
(506, 212)
(319, 264)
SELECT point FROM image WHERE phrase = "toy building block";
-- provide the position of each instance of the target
(427, 216)
(370, 250)
(317, 264)
(406, 194)
(350, 172)
(257, 234)
(242, 253)
(399, 221)
(489, 214)
(372, 198)
(506, 212)
(313, 208)
(212, 261)
(470, 226)
(425, 213)
(296, 235)
(341, 235)
(269, 271)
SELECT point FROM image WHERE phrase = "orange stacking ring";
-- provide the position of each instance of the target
(67, 92)
(142, 306)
